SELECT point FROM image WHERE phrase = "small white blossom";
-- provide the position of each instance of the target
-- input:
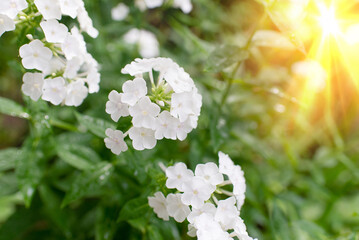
(144, 112)
(120, 12)
(54, 90)
(159, 205)
(208, 229)
(12, 7)
(115, 141)
(32, 86)
(182, 129)
(210, 173)
(55, 32)
(184, 5)
(142, 138)
(55, 65)
(35, 55)
(185, 104)
(76, 93)
(74, 45)
(133, 91)
(176, 208)
(196, 192)
(70, 7)
(93, 80)
(6, 24)
(226, 213)
(192, 231)
(147, 42)
(166, 126)
(178, 175)
(72, 67)
(50, 9)
(207, 208)
(115, 106)
(86, 22)
(153, 3)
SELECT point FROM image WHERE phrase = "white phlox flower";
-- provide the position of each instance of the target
(86, 22)
(184, 5)
(176, 208)
(153, 3)
(120, 12)
(76, 93)
(35, 55)
(115, 106)
(146, 41)
(54, 90)
(159, 205)
(70, 7)
(32, 85)
(55, 32)
(178, 175)
(144, 112)
(50, 9)
(142, 138)
(6, 24)
(11, 8)
(169, 107)
(208, 217)
(115, 141)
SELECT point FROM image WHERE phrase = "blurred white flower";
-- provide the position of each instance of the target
(50, 9)
(147, 42)
(54, 31)
(177, 176)
(144, 112)
(210, 173)
(6, 24)
(207, 208)
(32, 85)
(184, 5)
(226, 213)
(54, 90)
(153, 3)
(176, 208)
(120, 12)
(93, 80)
(159, 205)
(12, 7)
(142, 138)
(74, 45)
(208, 229)
(76, 93)
(133, 91)
(86, 22)
(72, 67)
(115, 141)
(35, 55)
(115, 106)
(70, 7)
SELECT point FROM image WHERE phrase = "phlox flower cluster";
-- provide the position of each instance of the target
(184, 5)
(61, 69)
(197, 199)
(166, 108)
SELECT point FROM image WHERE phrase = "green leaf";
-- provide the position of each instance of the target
(8, 158)
(29, 173)
(12, 108)
(154, 233)
(308, 230)
(88, 182)
(225, 56)
(95, 125)
(106, 225)
(8, 184)
(133, 209)
(78, 156)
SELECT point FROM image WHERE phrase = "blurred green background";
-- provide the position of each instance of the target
(302, 169)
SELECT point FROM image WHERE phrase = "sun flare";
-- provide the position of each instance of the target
(328, 21)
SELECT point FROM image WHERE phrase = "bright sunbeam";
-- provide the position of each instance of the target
(328, 21)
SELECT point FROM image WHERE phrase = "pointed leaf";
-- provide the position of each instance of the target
(12, 108)
(94, 125)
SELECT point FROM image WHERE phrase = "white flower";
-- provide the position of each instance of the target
(93, 80)
(72, 67)
(69, 7)
(50, 9)
(115, 106)
(147, 42)
(133, 91)
(55, 32)
(142, 138)
(159, 205)
(55, 65)
(225, 163)
(184, 5)
(74, 45)
(207, 208)
(35, 55)
(178, 175)
(120, 12)
(208, 229)
(54, 90)
(12, 7)
(6, 24)
(226, 213)
(144, 112)
(153, 3)
(240, 229)
(210, 173)
(86, 22)
(182, 129)
(196, 192)
(32, 86)
(185, 104)
(115, 141)
(176, 208)
(192, 231)
(166, 126)
(76, 93)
